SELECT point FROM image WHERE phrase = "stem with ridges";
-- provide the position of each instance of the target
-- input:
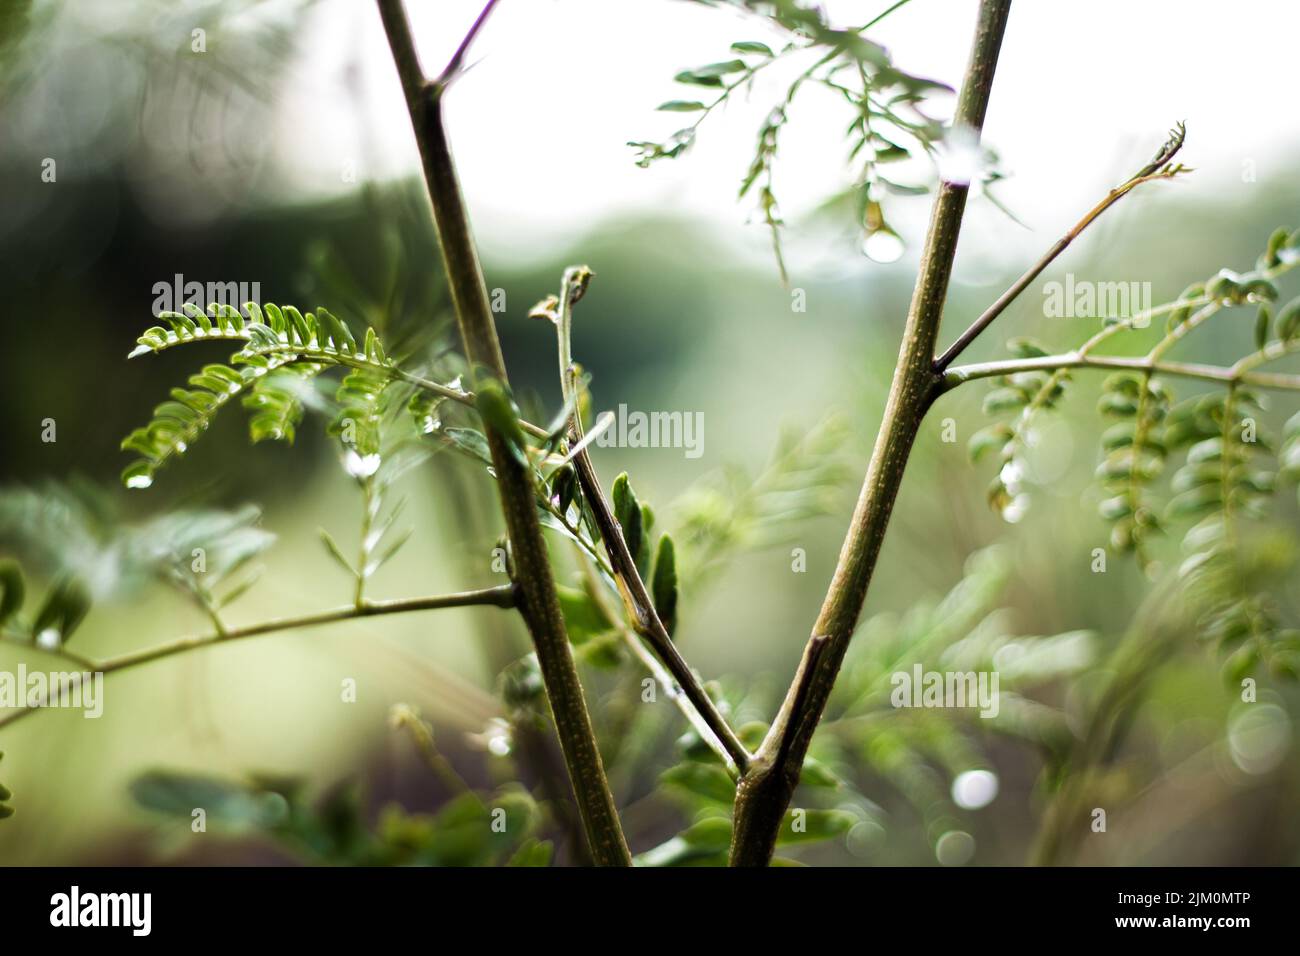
(765, 792)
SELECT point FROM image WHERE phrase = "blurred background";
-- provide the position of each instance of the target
(280, 154)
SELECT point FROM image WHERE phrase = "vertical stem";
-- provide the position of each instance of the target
(765, 792)
(538, 602)
(363, 549)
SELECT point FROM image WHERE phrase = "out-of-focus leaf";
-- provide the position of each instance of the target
(65, 606)
(225, 803)
(664, 582)
(12, 590)
(582, 618)
(814, 826)
(709, 782)
(533, 852)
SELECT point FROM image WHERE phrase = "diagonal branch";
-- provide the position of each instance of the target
(1158, 168)
(645, 618)
(453, 67)
(651, 663)
(539, 604)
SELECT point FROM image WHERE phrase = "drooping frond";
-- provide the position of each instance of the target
(281, 350)
(275, 402)
(1229, 465)
(884, 106)
(1134, 458)
(178, 423)
(1026, 394)
(361, 409)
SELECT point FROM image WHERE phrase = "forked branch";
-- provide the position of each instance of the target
(765, 792)
(1161, 166)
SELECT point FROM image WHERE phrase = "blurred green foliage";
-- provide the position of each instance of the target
(1116, 701)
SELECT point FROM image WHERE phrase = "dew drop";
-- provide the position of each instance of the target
(883, 246)
(974, 789)
(498, 739)
(1015, 510)
(139, 481)
(360, 466)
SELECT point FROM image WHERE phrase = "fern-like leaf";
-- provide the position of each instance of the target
(361, 410)
(275, 402)
(1135, 458)
(280, 350)
(178, 423)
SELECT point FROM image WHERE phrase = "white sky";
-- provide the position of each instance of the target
(1085, 92)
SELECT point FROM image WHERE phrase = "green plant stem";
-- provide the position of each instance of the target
(368, 508)
(765, 791)
(502, 596)
(1152, 171)
(651, 663)
(421, 733)
(538, 602)
(1238, 374)
(636, 598)
(1241, 372)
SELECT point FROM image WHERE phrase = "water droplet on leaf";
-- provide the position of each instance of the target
(360, 466)
(883, 246)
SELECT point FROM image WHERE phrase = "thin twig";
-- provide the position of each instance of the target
(632, 589)
(1209, 373)
(652, 664)
(452, 69)
(1158, 168)
(502, 596)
